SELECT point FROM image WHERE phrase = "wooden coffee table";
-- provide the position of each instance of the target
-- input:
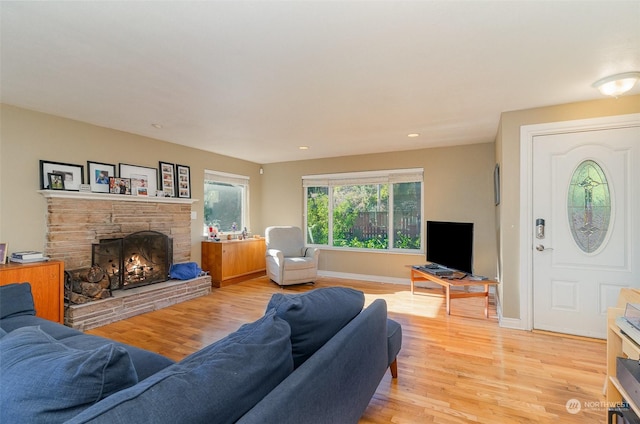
(418, 275)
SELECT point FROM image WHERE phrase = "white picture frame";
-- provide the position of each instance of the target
(141, 176)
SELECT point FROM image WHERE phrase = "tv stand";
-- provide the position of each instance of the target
(418, 274)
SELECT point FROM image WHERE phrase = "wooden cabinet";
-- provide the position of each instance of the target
(231, 261)
(47, 285)
(620, 345)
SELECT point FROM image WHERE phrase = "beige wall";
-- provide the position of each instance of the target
(27, 137)
(458, 184)
(508, 155)
(458, 187)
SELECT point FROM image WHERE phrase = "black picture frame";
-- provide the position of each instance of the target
(98, 174)
(167, 178)
(496, 184)
(183, 181)
(119, 185)
(56, 181)
(73, 174)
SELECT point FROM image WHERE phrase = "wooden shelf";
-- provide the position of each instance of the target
(81, 195)
(620, 345)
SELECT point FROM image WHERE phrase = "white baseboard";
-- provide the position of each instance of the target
(513, 323)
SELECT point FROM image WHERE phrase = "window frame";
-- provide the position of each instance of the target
(390, 177)
(236, 180)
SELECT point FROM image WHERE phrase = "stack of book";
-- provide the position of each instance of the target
(28, 257)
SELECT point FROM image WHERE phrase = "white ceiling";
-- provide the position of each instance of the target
(258, 79)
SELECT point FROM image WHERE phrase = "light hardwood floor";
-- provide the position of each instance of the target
(461, 368)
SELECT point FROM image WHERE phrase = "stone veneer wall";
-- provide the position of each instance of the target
(74, 224)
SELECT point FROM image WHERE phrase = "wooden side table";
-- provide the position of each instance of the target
(418, 275)
(47, 285)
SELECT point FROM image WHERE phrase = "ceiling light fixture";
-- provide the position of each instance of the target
(413, 135)
(616, 85)
(303, 147)
(158, 126)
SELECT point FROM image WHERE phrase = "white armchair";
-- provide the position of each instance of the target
(288, 260)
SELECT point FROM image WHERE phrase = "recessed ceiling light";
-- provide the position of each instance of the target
(158, 126)
(413, 135)
(303, 147)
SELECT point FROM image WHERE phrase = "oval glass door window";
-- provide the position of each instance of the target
(589, 206)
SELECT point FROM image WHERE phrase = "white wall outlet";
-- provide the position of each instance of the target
(194, 215)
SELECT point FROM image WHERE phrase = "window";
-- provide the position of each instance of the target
(378, 210)
(589, 206)
(226, 201)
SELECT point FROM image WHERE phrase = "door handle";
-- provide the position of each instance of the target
(541, 248)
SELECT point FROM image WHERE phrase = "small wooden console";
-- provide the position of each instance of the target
(232, 261)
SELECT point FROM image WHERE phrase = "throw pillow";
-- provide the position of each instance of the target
(219, 383)
(43, 380)
(315, 316)
(16, 299)
(2, 333)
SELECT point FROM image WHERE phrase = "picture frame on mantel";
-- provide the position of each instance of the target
(183, 173)
(3, 252)
(98, 174)
(141, 176)
(73, 174)
(167, 179)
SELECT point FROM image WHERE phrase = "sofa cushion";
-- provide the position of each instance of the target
(16, 299)
(2, 333)
(315, 316)
(45, 381)
(216, 384)
(145, 362)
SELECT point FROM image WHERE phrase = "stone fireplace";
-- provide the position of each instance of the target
(137, 259)
(84, 229)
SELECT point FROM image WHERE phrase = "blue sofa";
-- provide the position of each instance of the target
(315, 357)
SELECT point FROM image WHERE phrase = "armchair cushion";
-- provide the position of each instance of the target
(286, 239)
(315, 316)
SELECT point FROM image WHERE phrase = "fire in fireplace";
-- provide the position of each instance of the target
(135, 260)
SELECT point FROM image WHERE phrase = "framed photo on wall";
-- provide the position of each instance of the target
(141, 176)
(167, 179)
(98, 176)
(183, 174)
(496, 184)
(3, 253)
(73, 174)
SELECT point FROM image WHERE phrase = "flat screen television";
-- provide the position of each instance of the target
(450, 244)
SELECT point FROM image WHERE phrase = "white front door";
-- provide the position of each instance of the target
(585, 186)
